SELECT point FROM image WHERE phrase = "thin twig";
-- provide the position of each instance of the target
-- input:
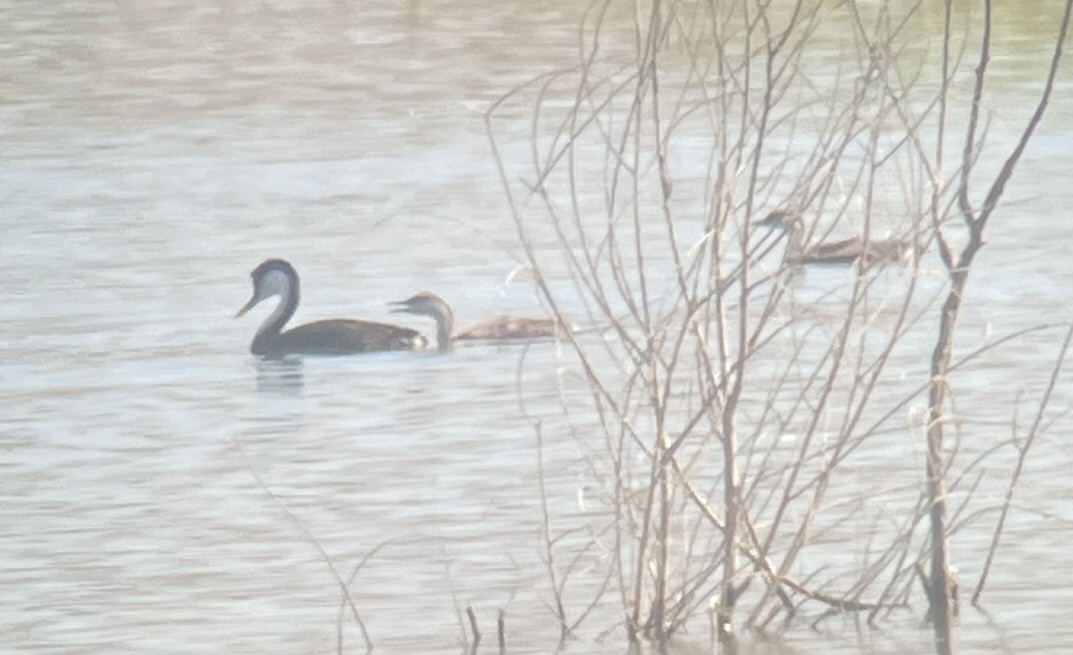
(1023, 449)
(343, 587)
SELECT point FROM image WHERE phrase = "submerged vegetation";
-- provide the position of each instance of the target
(759, 459)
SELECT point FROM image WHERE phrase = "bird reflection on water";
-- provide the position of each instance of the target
(284, 376)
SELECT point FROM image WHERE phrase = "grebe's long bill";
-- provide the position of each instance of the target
(500, 328)
(276, 277)
(846, 251)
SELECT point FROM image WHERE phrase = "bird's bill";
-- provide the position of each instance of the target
(402, 306)
(247, 307)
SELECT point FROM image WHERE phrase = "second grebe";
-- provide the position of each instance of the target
(846, 251)
(500, 328)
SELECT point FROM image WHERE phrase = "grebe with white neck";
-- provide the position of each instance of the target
(276, 277)
(500, 328)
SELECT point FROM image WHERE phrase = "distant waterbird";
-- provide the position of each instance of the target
(500, 328)
(854, 250)
(276, 277)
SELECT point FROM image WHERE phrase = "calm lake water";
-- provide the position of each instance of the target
(163, 492)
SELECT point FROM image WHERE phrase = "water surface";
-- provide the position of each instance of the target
(162, 491)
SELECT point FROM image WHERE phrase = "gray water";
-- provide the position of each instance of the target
(163, 492)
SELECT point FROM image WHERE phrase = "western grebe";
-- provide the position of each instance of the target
(276, 277)
(500, 328)
(846, 251)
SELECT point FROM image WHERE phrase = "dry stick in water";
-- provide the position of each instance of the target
(657, 506)
(343, 602)
(463, 636)
(548, 554)
(313, 540)
(1029, 440)
(558, 583)
(548, 544)
(473, 628)
(624, 291)
(601, 393)
(941, 582)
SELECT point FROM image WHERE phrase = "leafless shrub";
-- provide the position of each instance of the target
(748, 413)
